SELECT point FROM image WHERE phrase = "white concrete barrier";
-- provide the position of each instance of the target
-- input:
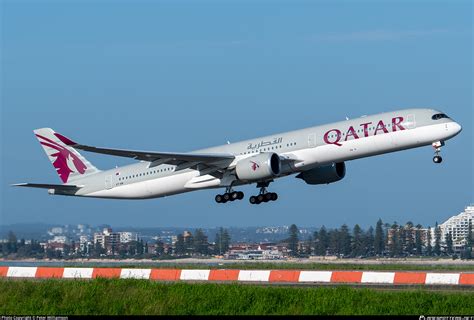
(442, 278)
(305, 276)
(80, 273)
(254, 275)
(315, 276)
(200, 275)
(135, 274)
(377, 277)
(21, 272)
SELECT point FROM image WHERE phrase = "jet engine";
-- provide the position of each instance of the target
(259, 167)
(324, 175)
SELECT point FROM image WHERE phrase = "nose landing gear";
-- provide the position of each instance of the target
(437, 146)
(437, 159)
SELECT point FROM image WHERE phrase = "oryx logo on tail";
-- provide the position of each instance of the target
(65, 159)
(69, 164)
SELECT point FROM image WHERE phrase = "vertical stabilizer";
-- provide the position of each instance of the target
(69, 164)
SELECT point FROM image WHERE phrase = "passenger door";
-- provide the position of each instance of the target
(410, 122)
(109, 182)
(312, 140)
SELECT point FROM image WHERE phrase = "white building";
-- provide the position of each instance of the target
(84, 243)
(99, 238)
(128, 237)
(459, 228)
(59, 239)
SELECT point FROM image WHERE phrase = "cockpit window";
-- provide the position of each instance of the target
(439, 116)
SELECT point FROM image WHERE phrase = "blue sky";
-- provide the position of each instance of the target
(182, 75)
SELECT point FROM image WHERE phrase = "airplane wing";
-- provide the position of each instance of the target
(48, 186)
(182, 160)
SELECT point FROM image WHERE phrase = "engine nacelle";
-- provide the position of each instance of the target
(259, 167)
(324, 175)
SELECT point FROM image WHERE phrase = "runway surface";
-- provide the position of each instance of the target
(290, 277)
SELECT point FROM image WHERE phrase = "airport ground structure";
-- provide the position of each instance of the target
(248, 276)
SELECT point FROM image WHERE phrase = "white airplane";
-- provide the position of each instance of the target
(316, 154)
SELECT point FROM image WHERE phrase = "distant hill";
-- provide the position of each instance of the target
(38, 231)
(35, 231)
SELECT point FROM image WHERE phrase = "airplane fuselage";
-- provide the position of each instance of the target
(307, 148)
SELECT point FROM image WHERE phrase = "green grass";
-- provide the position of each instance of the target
(143, 297)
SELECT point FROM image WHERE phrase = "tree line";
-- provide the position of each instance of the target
(193, 244)
(384, 241)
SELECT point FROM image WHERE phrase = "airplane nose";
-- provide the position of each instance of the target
(456, 127)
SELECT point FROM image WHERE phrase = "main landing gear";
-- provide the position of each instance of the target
(263, 196)
(437, 146)
(229, 195)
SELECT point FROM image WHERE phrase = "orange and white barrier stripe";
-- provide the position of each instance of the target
(222, 275)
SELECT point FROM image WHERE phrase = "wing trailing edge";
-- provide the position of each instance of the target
(186, 160)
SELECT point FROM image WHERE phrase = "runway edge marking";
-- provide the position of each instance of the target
(235, 275)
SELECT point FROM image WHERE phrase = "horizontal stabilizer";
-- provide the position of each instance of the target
(48, 186)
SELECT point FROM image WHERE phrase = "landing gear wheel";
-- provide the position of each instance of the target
(234, 196)
(437, 159)
(263, 196)
(268, 197)
(229, 195)
(226, 197)
(253, 200)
